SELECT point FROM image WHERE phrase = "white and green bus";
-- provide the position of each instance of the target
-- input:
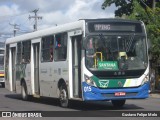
(87, 60)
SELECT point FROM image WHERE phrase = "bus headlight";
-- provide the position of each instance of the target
(89, 81)
(146, 79)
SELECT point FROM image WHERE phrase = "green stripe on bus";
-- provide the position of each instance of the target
(108, 83)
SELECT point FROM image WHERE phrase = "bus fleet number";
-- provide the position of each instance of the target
(87, 89)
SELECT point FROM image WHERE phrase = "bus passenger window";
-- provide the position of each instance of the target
(60, 52)
(47, 48)
(19, 52)
(26, 51)
(51, 56)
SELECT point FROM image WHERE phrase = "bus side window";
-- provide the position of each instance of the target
(47, 48)
(19, 52)
(60, 52)
(26, 51)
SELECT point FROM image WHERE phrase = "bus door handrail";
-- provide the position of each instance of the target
(95, 58)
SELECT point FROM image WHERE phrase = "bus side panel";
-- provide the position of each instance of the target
(47, 80)
(23, 72)
(28, 78)
(61, 73)
(18, 72)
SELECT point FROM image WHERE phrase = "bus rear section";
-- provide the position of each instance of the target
(116, 64)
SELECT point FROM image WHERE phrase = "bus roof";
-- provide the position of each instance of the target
(48, 31)
(112, 20)
(63, 28)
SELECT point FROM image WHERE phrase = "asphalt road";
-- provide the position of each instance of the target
(12, 102)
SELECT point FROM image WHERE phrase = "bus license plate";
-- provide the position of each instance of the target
(119, 94)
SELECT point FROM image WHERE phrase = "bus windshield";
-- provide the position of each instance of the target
(116, 52)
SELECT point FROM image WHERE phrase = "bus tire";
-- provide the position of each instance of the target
(63, 96)
(24, 93)
(118, 103)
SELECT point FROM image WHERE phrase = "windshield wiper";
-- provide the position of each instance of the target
(108, 46)
(101, 36)
(129, 44)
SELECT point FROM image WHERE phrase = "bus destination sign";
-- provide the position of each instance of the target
(114, 27)
(101, 27)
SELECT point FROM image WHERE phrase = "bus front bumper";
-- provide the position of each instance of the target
(94, 93)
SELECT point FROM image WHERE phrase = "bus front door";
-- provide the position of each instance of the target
(76, 61)
(36, 68)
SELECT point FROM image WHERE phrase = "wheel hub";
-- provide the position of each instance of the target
(63, 95)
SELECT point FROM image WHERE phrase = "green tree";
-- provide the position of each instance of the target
(126, 7)
(153, 30)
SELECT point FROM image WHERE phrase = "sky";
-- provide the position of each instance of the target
(53, 12)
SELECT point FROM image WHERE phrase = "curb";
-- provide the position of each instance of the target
(154, 95)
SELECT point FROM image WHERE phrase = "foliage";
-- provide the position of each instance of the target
(153, 30)
(126, 7)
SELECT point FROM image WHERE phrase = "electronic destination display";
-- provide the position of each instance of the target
(114, 27)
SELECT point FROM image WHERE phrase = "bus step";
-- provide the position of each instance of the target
(36, 96)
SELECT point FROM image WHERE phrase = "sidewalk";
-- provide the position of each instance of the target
(155, 94)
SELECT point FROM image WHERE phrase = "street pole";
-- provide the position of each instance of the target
(14, 28)
(36, 17)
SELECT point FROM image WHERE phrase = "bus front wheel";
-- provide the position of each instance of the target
(118, 103)
(63, 96)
